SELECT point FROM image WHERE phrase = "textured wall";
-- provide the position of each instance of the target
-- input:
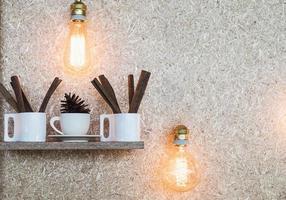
(217, 66)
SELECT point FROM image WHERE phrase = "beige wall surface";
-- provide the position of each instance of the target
(217, 66)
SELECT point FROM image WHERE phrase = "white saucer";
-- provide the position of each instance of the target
(75, 138)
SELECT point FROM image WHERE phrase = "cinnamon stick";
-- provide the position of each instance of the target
(139, 91)
(8, 97)
(49, 93)
(27, 105)
(105, 95)
(108, 88)
(18, 93)
(130, 88)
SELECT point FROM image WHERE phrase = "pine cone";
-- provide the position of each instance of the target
(73, 104)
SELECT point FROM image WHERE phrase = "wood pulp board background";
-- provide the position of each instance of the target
(218, 67)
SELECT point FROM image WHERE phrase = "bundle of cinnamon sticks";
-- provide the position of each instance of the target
(21, 103)
(104, 88)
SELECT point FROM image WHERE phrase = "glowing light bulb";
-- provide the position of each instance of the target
(77, 56)
(180, 171)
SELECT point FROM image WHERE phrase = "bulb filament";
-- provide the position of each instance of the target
(77, 51)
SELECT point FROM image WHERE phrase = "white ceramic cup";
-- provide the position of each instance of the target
(122, 127)
(28, 127)
(72, 123)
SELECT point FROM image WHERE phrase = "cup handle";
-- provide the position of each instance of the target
(101, 127)
(52, 123)
(7, 138)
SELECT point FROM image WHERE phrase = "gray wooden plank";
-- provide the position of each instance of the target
(70, 145)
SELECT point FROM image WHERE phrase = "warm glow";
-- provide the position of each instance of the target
(77, 53)
(180, 170)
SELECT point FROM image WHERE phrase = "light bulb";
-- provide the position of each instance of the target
(77, 56)
(180, 170)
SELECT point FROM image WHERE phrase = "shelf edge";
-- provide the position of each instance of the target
(43, 146)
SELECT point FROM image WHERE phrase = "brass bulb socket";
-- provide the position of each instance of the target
(78, 10)
(182, 134)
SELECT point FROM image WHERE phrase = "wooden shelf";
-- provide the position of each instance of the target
(70, 145)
